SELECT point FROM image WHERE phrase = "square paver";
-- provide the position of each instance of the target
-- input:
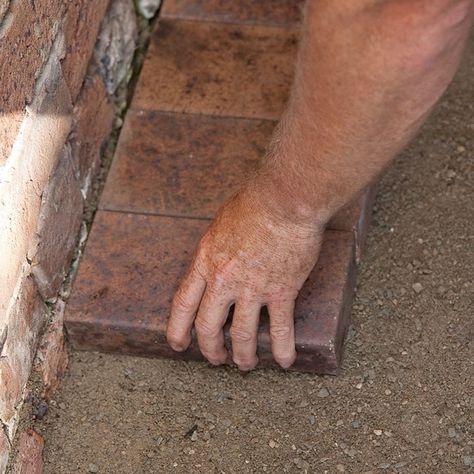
(253, 12)
(132, 267)
(188, 165)
(217, 69)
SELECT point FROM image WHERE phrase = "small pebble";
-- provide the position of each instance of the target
(323, 393)
(93, 468)
(384, 465)
(468, 461)
(378, 432)
(417, 287)
(272, 444)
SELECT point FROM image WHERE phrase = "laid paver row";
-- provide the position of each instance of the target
(202, 115)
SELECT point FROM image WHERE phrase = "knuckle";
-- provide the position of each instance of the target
(180, 303)
(240, 334)
(206, 328)
(280, 332)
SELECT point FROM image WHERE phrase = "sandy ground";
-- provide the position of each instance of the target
(405, 400)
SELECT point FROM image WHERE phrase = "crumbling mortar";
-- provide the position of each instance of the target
(6, 431)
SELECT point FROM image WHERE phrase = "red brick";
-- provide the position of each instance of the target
(24, 322)
(29, 459)
(131, 269)
(93, 118)
(261, 12)
(52, 356)
(81, 26)
(28, 32)
(58, 228)
(209, 68)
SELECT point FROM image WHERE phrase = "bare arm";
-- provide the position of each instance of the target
(368, 74)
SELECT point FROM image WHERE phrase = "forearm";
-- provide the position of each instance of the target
(368, 74)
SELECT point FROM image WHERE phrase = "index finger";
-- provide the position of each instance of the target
(183, 310)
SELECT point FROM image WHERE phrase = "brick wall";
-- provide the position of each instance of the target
(57, 65)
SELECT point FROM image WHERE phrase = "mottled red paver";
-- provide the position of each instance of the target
(187, 165)
(133, 264)
(208, 68)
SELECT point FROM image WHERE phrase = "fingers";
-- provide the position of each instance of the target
(183, 310)
(244, 334)
(282, 332)
(212, 315)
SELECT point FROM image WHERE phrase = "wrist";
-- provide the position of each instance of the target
(282, 201)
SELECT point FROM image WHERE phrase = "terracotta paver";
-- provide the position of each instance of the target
(255, 12)
(182, 164)
(187, 165)
(133, 264)
(208, 68)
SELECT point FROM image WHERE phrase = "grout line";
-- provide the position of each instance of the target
(279, 26)
(154, 214)
(197, 114)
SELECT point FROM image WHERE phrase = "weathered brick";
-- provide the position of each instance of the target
(4, 450)
(25, 319)
(27, 33)
(29, 459)
(35, 153)
(93, 118)
(59, 223)
(81, 27)
(52, 355)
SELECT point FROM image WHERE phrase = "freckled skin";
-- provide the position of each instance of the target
(368, 74)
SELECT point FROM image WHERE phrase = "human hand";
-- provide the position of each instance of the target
(251, 258)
